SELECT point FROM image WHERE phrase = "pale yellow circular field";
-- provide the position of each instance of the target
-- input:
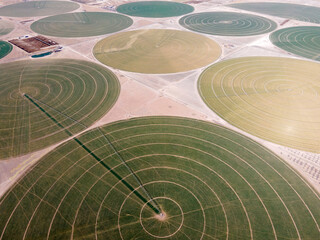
(157, 51)
(277, 99)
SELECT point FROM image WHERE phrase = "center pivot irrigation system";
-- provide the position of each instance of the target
(151, 202)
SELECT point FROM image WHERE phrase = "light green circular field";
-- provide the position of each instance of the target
(38, 8)
(5, 49)
(5, 27)
(207, 181)
(276, 99)
(299, 12)
(227, 23)
(65, 89)
(156, 51)
(81, 24)
(302, 41)
(155, 9)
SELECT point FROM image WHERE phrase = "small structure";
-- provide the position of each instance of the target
(26, 21)
(34, 44)
(284, 22)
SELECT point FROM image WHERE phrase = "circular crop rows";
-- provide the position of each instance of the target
(227, 23)
(208, 182)
(38, 8)
(156, 51)
(285, 10)
(59, 90)
(5, 27)
(155, 9)
(5, 49)
(302, 41)
(276, 99)
(81, 24)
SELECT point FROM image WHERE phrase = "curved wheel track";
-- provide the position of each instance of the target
(210, 183)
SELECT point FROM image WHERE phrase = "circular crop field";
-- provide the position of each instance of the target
(276, 99)
(155, 9)
(5, 49)
(38, 8)
(5, 27)
(156, 51)
(303, 41)
(227, 23)
(303, 13)
(163, 178)
(81, 24)
(36, 96)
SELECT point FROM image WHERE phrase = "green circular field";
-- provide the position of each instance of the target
(5, 49)
(303, 41)
(207, 182)
(276, 99)
(38, 8)
(227, 23)
(81, 24)
(65, 89)
(156, 51)
(155, 9)
(5, 27)
(303, 13)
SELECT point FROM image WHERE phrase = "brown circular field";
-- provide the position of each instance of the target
(5, 27)
(156, 51)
